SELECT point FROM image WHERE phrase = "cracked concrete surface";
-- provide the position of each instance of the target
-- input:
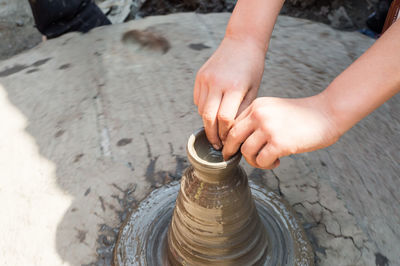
(91, 124)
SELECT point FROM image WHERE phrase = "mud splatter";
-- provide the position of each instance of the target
(87, 192)
(65, 66)
(103, 207)
(32, 70)
(198, 46)
(81, 235)
(17, 68)
(12, 70)
(41, 62)
(59, 133)
(146, 40)
(78, 158)
(381, 260)
(124, 141)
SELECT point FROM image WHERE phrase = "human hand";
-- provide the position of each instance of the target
(226, 84)
(271, 128)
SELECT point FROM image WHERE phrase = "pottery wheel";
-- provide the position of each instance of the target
(143, 237)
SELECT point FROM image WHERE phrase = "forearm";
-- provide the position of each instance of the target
(367, 83)
(254, 21)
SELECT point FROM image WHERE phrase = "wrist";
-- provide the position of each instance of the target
(247, 41)
(326, 107)
(246, 37)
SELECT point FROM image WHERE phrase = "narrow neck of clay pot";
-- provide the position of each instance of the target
(208, 163)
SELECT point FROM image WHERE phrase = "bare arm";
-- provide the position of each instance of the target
(367, 83)
(254, 21)
(271, 128)
(228, 82)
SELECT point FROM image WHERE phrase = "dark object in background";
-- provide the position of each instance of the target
(377, 19)
(163, 7)
(54, 18)
(393, 15)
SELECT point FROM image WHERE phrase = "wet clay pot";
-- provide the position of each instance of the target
(215, 220)
(213, 217)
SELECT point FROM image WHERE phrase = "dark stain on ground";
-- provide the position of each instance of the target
(103, 207)
(150, 171)
(12, 70)
(74, 209)
(78, 157)
(130, 166)
(323, 163)
(127, 203)
(59, 133)
(149, 155)
(97, 53)
(87, 192)
(198, 46)
(147, 40)
(257, 175)
(41, 62)
(181, 165)
(124, 141)
(32, 70)
(105, 242)
(313, 241)
(381, 260)
(17, 68)
(81, 235)
(65, 66)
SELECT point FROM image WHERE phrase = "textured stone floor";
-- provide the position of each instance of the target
(90, 124)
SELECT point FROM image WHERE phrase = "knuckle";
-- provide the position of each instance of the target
(199, 76)
(206, 76)
(233, 134)
(208, 118)
(225, 118)
(257, 114)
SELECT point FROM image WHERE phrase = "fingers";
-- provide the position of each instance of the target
(227, 112)
(244, 114)
(253, 145)
(209, 115)
(268, 157)
(202, 99)
(248, 99)
(236, 136)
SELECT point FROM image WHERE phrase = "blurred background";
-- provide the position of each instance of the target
(18, 33)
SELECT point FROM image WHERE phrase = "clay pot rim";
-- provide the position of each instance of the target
(192, 154)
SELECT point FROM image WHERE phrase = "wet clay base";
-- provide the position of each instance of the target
(143, 237)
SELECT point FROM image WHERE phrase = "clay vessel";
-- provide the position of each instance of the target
(215, 220)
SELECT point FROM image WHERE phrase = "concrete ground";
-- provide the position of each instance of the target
(90, 124)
